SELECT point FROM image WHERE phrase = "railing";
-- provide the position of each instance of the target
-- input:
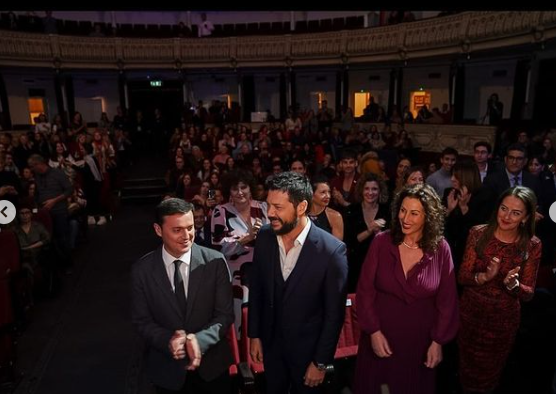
(454, 34)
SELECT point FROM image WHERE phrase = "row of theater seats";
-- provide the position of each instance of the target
(248, 374)
(13, 293)
(84, 28)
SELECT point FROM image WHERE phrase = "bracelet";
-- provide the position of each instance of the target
(515, 285)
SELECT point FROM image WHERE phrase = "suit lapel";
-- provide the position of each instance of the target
(306, 258)
(196, 269)
(161, 278)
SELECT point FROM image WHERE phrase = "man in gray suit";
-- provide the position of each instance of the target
(182, 307)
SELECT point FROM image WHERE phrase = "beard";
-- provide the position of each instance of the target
(286, 226)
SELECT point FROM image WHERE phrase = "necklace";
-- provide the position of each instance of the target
(410, 247)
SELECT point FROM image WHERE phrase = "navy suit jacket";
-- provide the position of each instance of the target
(314, 300)
(498, 182)
(156, 315)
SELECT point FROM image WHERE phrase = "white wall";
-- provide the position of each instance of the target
(101, 86)
(416, 78)
(267, 93)
(207, 88)
(18, 84)
(480, 84)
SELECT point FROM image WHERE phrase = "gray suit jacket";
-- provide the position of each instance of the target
(156, 315)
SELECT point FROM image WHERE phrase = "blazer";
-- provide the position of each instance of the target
(156, 315)
(314, 301)
(498, 182)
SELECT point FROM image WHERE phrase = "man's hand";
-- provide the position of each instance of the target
(177, 345)
(434, 355)
(313, 377)
(256, 350)
(193, 352)
(49, 204)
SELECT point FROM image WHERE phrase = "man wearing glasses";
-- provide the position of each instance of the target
(512, 174)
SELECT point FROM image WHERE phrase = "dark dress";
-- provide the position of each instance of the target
(355, 224)
(490, 313)
(458, 224)
(321, 220)
(411, 313)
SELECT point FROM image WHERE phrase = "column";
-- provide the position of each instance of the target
(122, 91)
(292, 89)
(5, 120)
(522, 81)
(457, 92)
(283, 97)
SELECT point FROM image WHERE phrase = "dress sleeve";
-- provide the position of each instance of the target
(466, 276)
(529, 270)
(366, 291)
(221, 233)
(447, 322)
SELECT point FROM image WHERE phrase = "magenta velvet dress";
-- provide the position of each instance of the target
(411, 313)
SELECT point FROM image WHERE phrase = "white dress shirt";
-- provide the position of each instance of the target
(170, 267)
(289, 260)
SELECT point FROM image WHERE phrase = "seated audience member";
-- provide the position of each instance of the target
(396, 183)
(536, 165)
(10, 185)
(413, 176)
(512, 173)
(365, 218)
(324, 217)
(174, 173)
(32, 236)
(482, 153)
(203, 235)
(442, 178)
(467, 204)
(186, 188)
(344, 185)
(236, 223)
(498, 271)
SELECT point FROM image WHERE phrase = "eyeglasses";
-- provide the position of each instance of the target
(515, 158)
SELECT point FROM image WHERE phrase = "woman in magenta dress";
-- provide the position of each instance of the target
(499, 270)
(406, 299)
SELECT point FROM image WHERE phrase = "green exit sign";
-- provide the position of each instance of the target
(156, 84)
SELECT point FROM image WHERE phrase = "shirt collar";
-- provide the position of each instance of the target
(512, 176)
(300, 240)
(169, 259)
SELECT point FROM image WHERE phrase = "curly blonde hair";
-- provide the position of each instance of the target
(433, 232)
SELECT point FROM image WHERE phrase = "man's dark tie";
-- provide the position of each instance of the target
(179, 288)
(516, 181)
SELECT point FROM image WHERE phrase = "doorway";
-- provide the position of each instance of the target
(361, 101)
(417, 100)
(166, 96)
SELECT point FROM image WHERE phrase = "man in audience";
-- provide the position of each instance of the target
(512, 174)
(442, 179)
(343, 186)
(482, 153)
(202, 227)
(297, 291)
(53, 190)
(205, 27)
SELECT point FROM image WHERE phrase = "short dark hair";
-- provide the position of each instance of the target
(485, 144)
(296, 185)
(234, 177)
(348, 154)
(171, 207)
(517, 146)
(36, 158)
(316, 180)
(449, 151)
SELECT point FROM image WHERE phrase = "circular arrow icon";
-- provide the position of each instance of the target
(7, 212)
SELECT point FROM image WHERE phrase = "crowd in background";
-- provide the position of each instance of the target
(72, 171)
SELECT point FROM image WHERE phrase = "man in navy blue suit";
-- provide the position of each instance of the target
(297, 291)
